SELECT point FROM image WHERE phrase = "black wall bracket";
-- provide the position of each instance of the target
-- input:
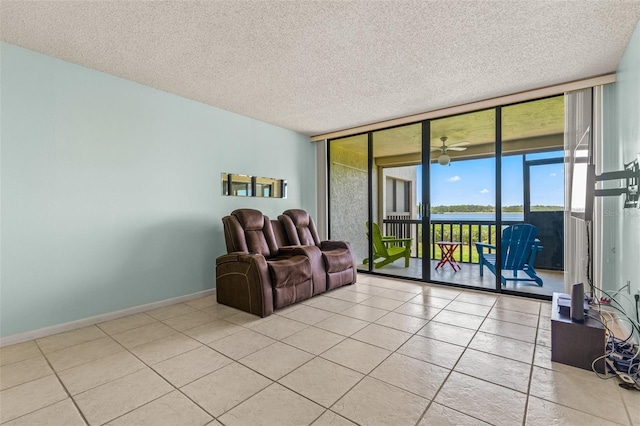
(631, 177)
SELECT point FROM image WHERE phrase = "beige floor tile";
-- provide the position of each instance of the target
(434, 351)
(31, 396)
(80, 354)
(329, 418)
(632, 402)
(287, 309)
(382, 303)
(503, 346)
(322, 381)
(442, 292)
(120, 396)
(495, 369)
(439, 415)
(459, 319)
(542, 358)
(468, 308)
(165, 348)
(190, 320)
(276, 405)
(367, 289)
(225, 388)
(544, 338)
(545, 309)
(239, 345)
(342, 325)
(356, 355)
(203, 302)
(447, 333)
(189, 366)
(63, 413)
(313, 340)
(350, 296)
(411, 374)
(417, 310)
(279, 327)
(402, 296)
(477, 298)
(145, 334)
(245, 319)
(409, 287)
(509, 329)
(541, 412)
(372, 402)
(544, 323)
(19, 352)
(96, 373)
(428, 300)
(172, 409)
(519, 305)
(276, 360)
(170, 311)
(530, 320)
(126, 323)
(401, 322)
(212, 331)
(25, 371)
(365, 313)
(330, 304)
(483, 400)
(308, 315)
(219, 311)
(70, 338)
(572, 391)
(384, 337)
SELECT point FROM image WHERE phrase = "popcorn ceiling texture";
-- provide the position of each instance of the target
(319, 66)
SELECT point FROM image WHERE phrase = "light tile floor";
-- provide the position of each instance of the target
(380, 352)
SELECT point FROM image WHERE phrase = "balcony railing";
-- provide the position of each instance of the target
(467, 232)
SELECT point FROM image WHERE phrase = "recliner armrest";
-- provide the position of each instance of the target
(315, 259)
(243, 282)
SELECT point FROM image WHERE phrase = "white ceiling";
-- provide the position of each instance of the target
(319, 66)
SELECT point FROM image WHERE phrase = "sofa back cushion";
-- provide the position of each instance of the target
(300, 228)
(248, 230)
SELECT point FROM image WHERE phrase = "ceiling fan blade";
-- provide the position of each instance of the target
(436, 148)
(456, 148)
(460, 143)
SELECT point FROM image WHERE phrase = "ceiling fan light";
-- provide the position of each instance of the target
(443, 159)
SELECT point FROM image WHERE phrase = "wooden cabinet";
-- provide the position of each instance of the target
(577, 344)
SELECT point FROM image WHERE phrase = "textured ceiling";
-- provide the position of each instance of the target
(319, 66)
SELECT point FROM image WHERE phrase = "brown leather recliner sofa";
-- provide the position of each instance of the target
(262, 271)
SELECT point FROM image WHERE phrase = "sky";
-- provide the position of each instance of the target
(473, 182)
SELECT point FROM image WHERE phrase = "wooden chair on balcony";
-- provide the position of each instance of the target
(519, 247)
(388, 248)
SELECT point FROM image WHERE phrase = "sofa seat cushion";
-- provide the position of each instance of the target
(337, 260)
(287, 272)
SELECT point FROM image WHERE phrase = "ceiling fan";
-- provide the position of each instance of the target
(444, 159)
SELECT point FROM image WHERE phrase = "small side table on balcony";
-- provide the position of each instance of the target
(448, 249)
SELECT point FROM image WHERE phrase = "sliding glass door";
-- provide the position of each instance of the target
(431, 200)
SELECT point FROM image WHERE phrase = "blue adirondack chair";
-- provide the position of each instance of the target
(519, 247)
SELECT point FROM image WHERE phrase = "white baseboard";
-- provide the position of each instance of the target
(67, 326)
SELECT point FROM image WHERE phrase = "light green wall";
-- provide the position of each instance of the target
(622, 130)
(111, 190)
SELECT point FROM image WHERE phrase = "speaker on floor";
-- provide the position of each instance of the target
(577, 302)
